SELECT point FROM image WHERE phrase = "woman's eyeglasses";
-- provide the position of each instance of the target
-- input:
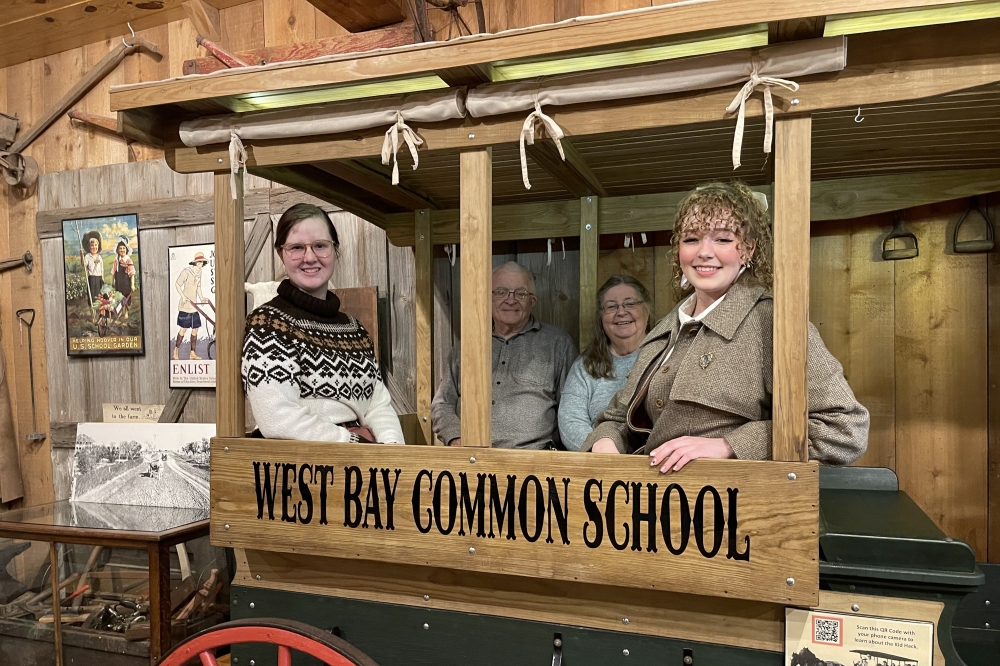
(612, 308)
(500, 293)
(321, 248)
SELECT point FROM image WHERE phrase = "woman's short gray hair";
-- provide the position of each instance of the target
(514, 267)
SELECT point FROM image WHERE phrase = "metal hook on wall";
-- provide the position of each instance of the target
(859, 118)
(129, 24)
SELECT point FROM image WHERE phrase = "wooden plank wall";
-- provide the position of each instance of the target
(917, 345)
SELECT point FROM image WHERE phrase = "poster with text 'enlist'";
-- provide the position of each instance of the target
(820, 638)
(192, 315)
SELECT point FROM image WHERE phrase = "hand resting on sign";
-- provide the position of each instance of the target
(680, 451)
(605, 445)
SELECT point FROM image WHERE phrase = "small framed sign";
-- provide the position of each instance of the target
(103, 292)
(818, 637)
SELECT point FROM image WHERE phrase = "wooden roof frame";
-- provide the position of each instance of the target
(886, 67)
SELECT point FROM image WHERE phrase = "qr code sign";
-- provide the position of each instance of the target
(828, 630)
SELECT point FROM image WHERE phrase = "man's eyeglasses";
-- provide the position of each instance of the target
(612, 308)
(500, 294)
(321, 248)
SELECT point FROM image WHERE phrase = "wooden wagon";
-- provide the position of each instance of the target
(498, 556)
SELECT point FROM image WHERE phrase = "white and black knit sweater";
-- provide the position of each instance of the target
(307, 368)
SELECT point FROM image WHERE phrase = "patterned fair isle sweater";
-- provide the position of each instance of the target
(308, 368)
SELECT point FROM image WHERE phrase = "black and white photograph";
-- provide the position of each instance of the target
(155, 464)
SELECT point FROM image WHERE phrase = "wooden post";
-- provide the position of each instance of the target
(590, 236)
(230, 404)
(792, 165)
(56, 614)
(476, 238)
(424, 265)
(159, 597)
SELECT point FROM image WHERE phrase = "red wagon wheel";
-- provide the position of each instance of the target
(288, 635)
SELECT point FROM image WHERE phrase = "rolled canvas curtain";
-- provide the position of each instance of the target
(759, 68)
(335, 118)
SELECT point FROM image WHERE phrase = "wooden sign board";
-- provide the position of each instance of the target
(115, 412)
(742, 529)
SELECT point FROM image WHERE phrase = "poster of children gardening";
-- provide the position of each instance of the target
(103, 301)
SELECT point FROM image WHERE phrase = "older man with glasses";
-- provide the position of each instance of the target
(530, 363)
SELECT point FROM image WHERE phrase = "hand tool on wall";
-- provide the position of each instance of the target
(899, 230)
(25, 260)
(26, 316)
(22, 170)
(978, 244)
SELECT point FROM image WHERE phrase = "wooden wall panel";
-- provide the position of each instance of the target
(288, 22)
(852, 304)
(941, 374)
(993, 324)
(243, 26)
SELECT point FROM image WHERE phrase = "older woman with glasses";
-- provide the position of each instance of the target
(309, 370)
(621, 321)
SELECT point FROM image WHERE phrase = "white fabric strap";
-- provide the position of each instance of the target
(391, 145)
(237, 160)
(765, 83)
(528, 135)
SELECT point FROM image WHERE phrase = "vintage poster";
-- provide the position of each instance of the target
(192, 316)
(820, 638)
(156, 464)
(103, 295)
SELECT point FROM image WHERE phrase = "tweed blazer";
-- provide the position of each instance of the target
(730, 395)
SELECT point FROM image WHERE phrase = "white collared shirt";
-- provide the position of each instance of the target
(686, 319)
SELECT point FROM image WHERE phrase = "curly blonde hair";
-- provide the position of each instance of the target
(730, 206)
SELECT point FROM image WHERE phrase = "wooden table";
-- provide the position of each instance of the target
(153, 529)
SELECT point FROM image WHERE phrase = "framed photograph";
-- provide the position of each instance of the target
(192, 315)
(155, 464)
(103, 291)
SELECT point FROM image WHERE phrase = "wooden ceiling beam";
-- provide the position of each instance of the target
(573, 173)
(840, 199)
(377, 183)
(38, 29)
(588, 33)
(360, 15)
(322, 185)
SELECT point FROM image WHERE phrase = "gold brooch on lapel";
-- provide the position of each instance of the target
(706, 360)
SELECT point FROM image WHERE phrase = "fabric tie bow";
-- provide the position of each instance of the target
(765, 82)
(391, 145)
(528, 135)
(237, 160)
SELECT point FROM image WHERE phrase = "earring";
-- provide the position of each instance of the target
(684, 281)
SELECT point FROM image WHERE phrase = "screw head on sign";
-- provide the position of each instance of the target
(587, 227)
(220, 160)
(472, 460)
(790, 581)
(253, 663)
(625, 652)
(226, 449)
(795, 101)
(791, 476)
(688, 660)
(258, 576)
(855, 607)
(624, 620)
(251, 604)
(426, 626)
(987, 602)
(472, 551)
(557, 642)
(427, 597)
(226, 526)
(471, 135)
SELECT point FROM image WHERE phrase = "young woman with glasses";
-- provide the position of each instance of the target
(622, 318)
(309, 370)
